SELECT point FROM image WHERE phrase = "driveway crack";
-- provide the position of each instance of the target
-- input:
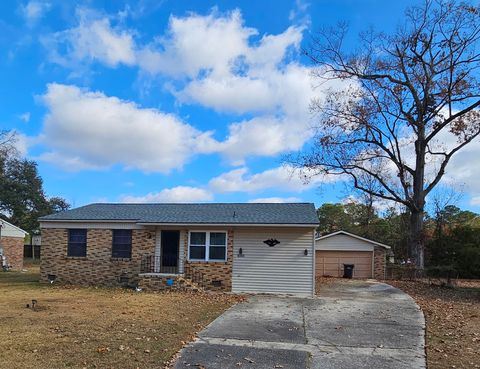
(304, 324)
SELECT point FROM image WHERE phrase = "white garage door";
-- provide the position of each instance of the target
(283, 268)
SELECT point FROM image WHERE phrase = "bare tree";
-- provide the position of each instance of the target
(412, 104)
(7, 141)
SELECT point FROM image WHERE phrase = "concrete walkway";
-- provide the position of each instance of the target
(353, 324)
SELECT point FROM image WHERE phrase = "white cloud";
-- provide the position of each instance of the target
(277, 200)
(263, 136)
(218, 62)
(175, 194)
(300, 12)
(246, 77)
(287, 90)
(475, 201)
(281, 178)
(280, 100)
(25, 117)
(197, 43)
(89, 130)
(463, 170)
(22, 143)
(93, 39)
(34, 10)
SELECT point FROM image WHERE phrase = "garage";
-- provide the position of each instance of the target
(330, 263)
(285, 266)
(334, 250)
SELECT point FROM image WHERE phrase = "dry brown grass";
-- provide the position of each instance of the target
(96, 327)
(453, 322)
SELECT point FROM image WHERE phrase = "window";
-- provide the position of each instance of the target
(122, 243)
(208, 246)
(77, 242)
(198, 245)
(218, 243)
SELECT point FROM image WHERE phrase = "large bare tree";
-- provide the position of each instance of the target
(412, 104)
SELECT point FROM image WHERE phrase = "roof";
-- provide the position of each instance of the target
(8, 229)
(210, 213)
(354, 236)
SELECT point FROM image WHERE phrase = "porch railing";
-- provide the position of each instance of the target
(159, 264)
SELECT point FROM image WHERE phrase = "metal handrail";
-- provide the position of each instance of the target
(159, 264)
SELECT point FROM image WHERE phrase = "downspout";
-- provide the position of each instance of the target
(314, 272)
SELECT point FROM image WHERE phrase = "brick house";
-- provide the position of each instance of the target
(266, 248)
(11, 245)
(339, 248)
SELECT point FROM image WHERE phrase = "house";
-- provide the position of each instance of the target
(11, 245)
(339, 248)
(243, 248)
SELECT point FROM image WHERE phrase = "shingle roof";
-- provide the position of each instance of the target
(226, 213)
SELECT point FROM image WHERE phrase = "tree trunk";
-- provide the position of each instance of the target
(417, 239)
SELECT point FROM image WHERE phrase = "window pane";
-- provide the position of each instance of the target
(198, 238)
(217, 239)
(122, 253)
(77, 242)
(77, 250)
(217, 253)
(122, 243)
(77, 235)
(197, 252)
(122, 236)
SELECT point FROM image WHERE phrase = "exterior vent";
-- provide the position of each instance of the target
(217, 283)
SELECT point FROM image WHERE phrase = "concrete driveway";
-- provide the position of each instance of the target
(353, 324)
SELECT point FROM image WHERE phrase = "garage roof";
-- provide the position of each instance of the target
(213, 213)
(354, 236)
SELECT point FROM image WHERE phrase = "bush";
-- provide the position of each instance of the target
(455, 254)
(442, 271)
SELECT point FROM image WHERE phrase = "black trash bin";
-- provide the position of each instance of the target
(348, 270)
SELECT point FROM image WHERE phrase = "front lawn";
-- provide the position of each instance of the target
(74, 327)
(453, 322)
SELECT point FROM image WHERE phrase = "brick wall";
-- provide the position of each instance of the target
(98, 267)
(213, 271)
(13, 251)
(379, 263)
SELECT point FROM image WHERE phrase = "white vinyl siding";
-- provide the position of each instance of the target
(9, 230)
(342, 242)
(283, 268)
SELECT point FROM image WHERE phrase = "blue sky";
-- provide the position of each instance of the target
(175, 100)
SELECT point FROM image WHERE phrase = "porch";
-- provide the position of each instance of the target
(166, 268)
(168, 255)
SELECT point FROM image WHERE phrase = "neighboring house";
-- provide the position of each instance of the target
(11, 245)
(339, 248)
(231, 247)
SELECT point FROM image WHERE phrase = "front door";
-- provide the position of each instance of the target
(169, 251)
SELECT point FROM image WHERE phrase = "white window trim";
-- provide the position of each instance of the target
(207, 246)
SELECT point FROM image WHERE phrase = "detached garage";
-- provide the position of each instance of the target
(334, 250)
(11, 245)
